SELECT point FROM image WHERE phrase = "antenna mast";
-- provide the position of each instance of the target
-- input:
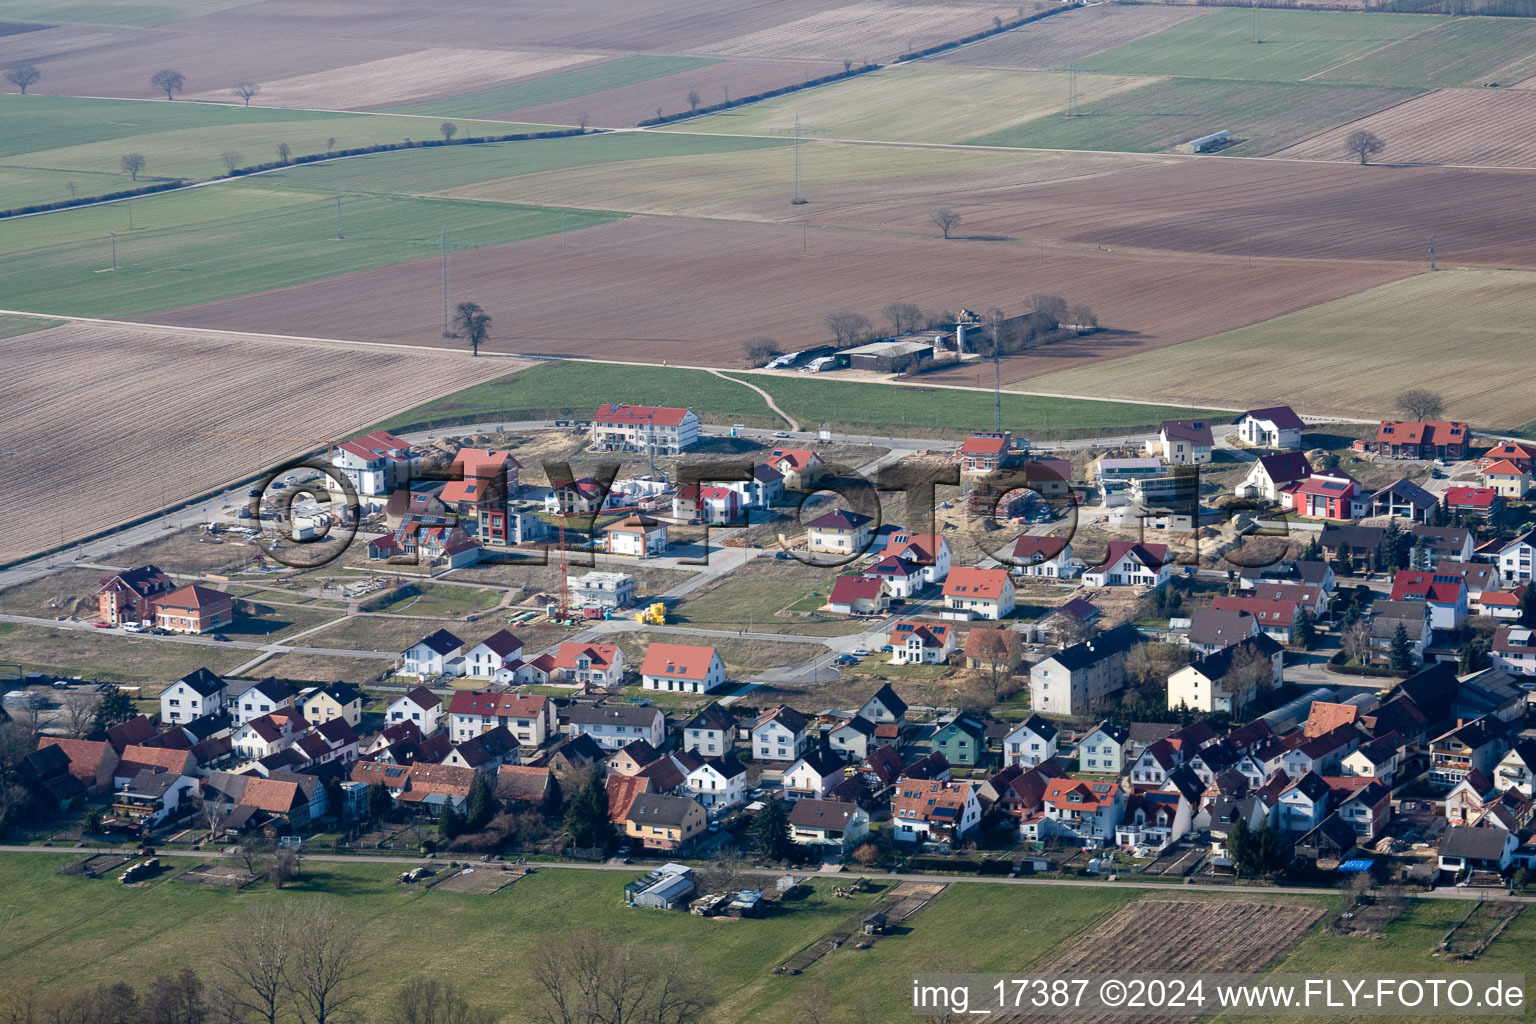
(799, 199)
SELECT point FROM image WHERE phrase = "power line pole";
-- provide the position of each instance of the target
(1431, 251)
(997, 388)
(1072, 89)
(1254, 33)
(114, 250)
(338, 218)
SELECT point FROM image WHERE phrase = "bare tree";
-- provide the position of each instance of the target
(254, 854)
(472, 323)
(1250, 673)
(246, 91)
(79, 712)
(760, 350)
(847, 326)
(582, 119)
(282, 152)
(1356, 641)
(330, 143)
(847, 65)
(133, 163)
(231, 160)
(325, 961)
(284, 868)
(429, 1001)
(587, 978)
(905, 317)
(1081, 317)
(449, 130)
(1364, 145)
(945, 219)
(693, 100)
(177, 999)
(994, 324)
(169, 81)
(1421, 404)
(1053, 306)
(1153, 663)
(254, 956)
(22, 76)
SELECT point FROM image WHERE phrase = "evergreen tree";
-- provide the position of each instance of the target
(1346, 562)
(378, 801)
(1440, 517)
(769, 831)
(1240, 848)
(1313, 552)
(481, 806)
(1419, 558)
(1528, 606)
(1270, 856)
(116, 706)
(1402, 650)
(553, 798)
(1472, 656)
(586, 820)
(450, 823)
(1305, 633)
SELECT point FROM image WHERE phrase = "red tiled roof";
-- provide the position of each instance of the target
(1470, 497)
(1440, 588)
(499, 704)
(634, 415)
(158, 758)
(984, 446)
(1092, 795)
(677, 661)
(848, 589)
(1504, 468)
(932, 634)
(600, 655)
(798, 458)
(1043, 549)
(1427, 432)
(193, 596)
(971, 582)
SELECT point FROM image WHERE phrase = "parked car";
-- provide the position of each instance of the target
(860, 652)
(220, 637)
(781, 433)
(886, 649)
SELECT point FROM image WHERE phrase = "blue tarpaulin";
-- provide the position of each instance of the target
(1359, 864)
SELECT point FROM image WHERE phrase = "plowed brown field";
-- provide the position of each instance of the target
(656, 289)
(1485, 127)
(1229, 207)
(620, 108)
(1055, 42)
(109, 423)
(874, 30)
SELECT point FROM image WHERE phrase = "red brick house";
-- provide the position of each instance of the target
(194, 609)
(1435, 439)
(129, 596)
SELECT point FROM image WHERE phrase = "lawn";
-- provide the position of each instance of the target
(378, 633)
(320, 668)
(234, 239)
(63, 928)
(751, 597)
(196, 150)
(1293, 44)
(429, 171)
(427, 599)
(1364, 350)
(58, 594)
(914, 104)
(115, 658)
(556, 390)
(1463, 51)
(562, 85)
(1265, 116)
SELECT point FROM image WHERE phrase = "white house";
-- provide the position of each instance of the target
(1272, 474)
(928, 550)
(419, 706)
(260, 698)
(1276, 427)
(1223, 681)
(376, 464)
(841, 827)
(496, 652)
(1183, 442)
(978, 594)
(1304, 803)
(1515, 557)
(839, 532)
(1077, 679)
(1517, 769)
(578, 663)
(815, 774)
(530, 718)
(435, 654)
(926, 810)
(613, 726)
(1131, 564)
(268, 734)
(779, 734)
(1079, 810)
(1045, 557)
(1103, 749)
(719, 781)
(707, 503)
(1032, 741)
(637, 537)
(681, 668)
(643, 428)
(192, 696)
(1514, 650)
(711, 732)
(854, 738)
(921, 643)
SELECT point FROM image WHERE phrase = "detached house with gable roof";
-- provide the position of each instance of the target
(1445, 594)
(1031, 742)
(933, 811)
(711, 732)
(530, 718)
(978, 594)
(1514, 557)
(376, 464)
(1084, 811)
(193, 609)
(438, 653)
(588, 664)
(1437, 439)
(261, 698)
(129, 596)
(1076, 679)
(1131, 564)
(1047, 557)
(192, 696)
(840, 532)
(1222, 682)
(927, 551)
(1275, 427)
(800, 467)
(1183, 442)
(921, 643)
(682, 668)
(614, 726)
(501, 650)
(1273, 476)
(779, 735)
(419, 706)
(335, 700)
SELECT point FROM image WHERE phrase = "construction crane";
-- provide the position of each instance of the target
(565, 586)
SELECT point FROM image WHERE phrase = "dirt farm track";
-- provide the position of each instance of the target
(156, 400)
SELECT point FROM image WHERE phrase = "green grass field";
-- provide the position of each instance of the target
(233, 239)
(427, 171)
(436, 600)
(1265, 115)
(127, 13)
(111, 658)
(562, 85)
(1464, 51)
(1294, 44)
(555, 390)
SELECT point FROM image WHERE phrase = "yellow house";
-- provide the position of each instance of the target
(663, 822)
(338, 700)
(838, 533)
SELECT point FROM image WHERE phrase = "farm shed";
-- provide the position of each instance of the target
(1206, 142)
(887, 356)
(669, 887)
